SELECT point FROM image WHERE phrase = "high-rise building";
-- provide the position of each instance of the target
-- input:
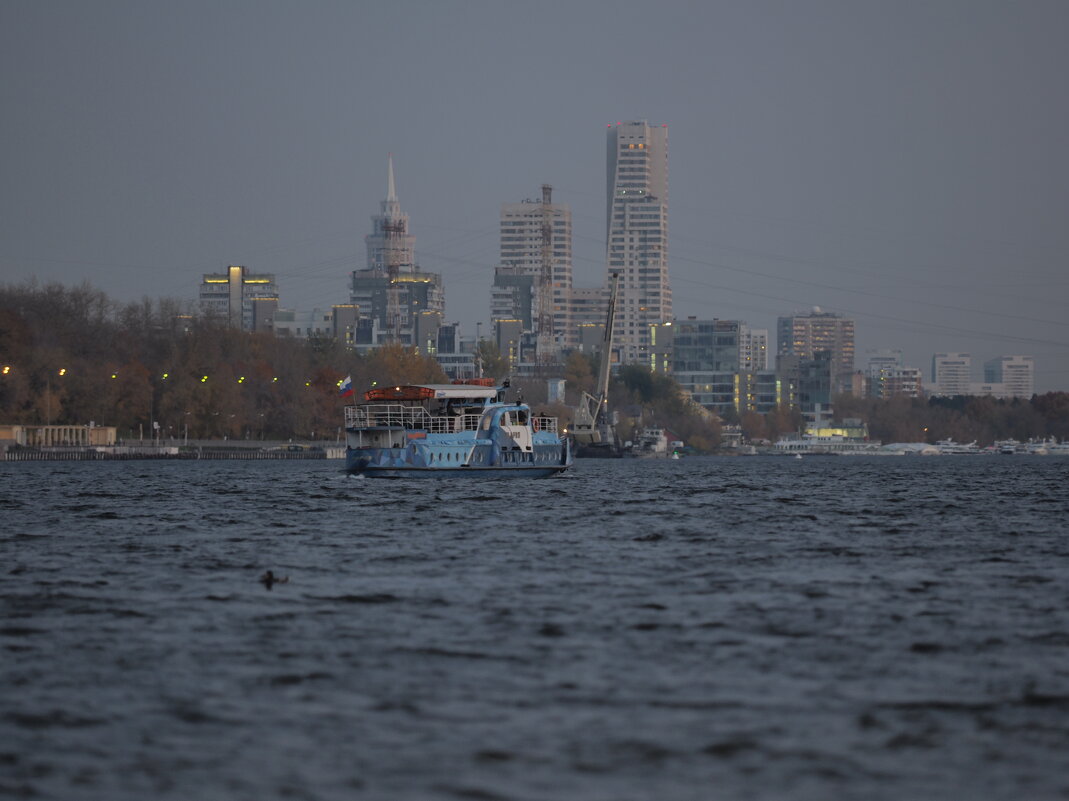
(522, 253)
(1015, 373)
(455, 355)
(588, 306)
(244, 299)
(816, 379)
(881, 360)
(887, 376)
(339, 323)
(392, 291)
(951, 374)
(753, 349)
(512, 296)
(903, 380)
(706, 361)
(806, 335)
(637, 233)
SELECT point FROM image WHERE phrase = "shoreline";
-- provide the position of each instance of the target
(206, 449)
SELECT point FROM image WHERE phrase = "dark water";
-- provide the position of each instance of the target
(760, 628)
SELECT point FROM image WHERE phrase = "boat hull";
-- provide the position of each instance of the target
(428, 460)
(442, 472)
(599, 451)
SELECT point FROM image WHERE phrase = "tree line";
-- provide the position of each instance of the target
(983, 419)
(72, 356)
(69, 355)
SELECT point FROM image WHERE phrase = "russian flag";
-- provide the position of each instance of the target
(345, 388)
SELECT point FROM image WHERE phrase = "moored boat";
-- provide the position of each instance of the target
(451, 429)
(825, 445)
(948, 447)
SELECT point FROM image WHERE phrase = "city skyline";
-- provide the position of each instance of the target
(812, 163)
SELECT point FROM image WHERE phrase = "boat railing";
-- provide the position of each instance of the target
(396, 415)
(546, 424)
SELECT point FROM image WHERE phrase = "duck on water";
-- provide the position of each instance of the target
(269, 579)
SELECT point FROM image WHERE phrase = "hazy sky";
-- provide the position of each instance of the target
(906, 163)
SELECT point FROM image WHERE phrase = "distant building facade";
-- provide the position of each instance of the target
(48, 436)
(1015, 374)
(753, 350)
(242, 298)
(513, 296)
(722, 364)
(907, 381)
(587, 306)
(706, 361)
(522, 244)
(951, 374)
(817, 378)
(886, 376)
(806, 335)
(339, 323)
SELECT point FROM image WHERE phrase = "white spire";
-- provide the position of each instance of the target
(391, 192)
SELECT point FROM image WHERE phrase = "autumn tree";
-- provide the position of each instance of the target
(665, 403)
(494, 365)
(399, 364)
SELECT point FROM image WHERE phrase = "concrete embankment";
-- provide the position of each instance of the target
(207, 451)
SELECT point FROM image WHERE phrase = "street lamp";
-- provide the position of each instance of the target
(62, 371)
(157, 429)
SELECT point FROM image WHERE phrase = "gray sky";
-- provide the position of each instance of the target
(906, 163)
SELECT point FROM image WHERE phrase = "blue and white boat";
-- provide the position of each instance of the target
(448, 429)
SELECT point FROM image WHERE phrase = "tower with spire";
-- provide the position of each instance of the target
(390, 242)
(397, 301)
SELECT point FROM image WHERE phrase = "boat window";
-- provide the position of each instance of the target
(521, 418)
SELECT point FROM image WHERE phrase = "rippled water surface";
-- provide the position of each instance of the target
(761, 628)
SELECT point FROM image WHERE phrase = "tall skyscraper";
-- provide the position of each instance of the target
(806, 335)
(392, 291)
(517, 282)
(637, 233)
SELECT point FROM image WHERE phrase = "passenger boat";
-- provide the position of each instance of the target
(948, 447)
(825, 445)
(466, 427)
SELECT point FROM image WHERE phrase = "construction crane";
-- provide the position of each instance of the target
(591, 426)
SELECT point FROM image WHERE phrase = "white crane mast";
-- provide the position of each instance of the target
(590, 414)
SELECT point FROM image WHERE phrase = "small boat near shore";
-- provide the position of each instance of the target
(824, 445)
(464, 428)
